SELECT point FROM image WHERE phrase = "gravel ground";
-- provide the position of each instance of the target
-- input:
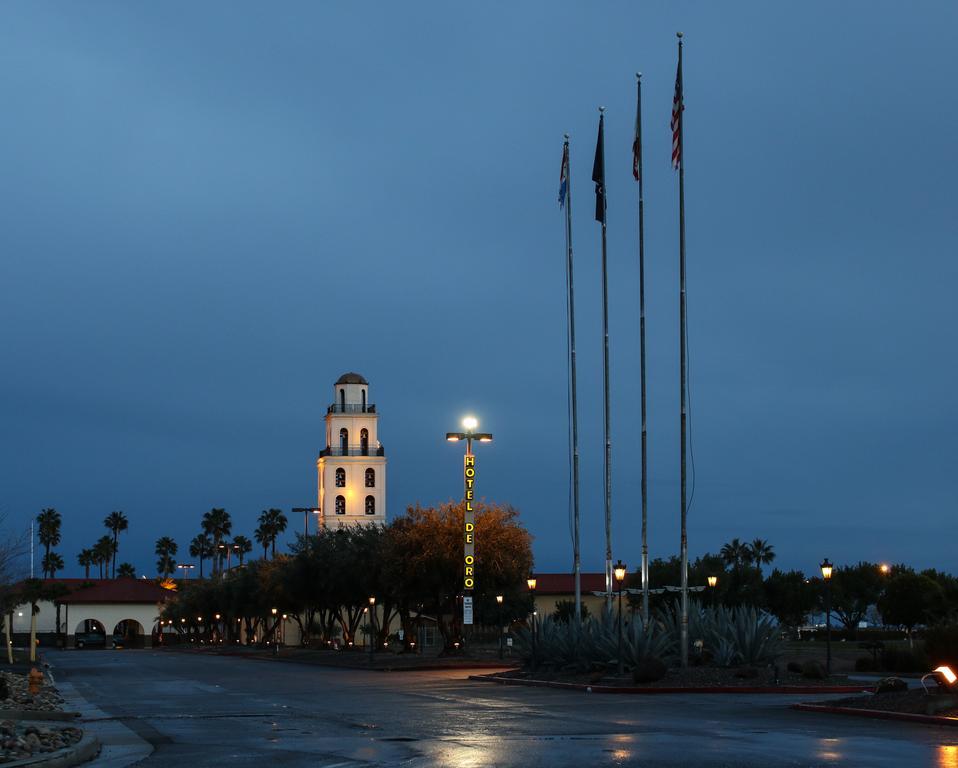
(20, 740)
(914, 702)
(18, 695)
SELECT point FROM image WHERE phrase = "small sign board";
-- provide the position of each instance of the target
(402, 634)
(467, 609)
(509, 641)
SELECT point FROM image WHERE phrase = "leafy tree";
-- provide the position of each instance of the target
(48, 529)
(853, 589)
(201, 547)
(52, 562)
(217, 524)
(115, 522)
(85, 559)
(736, 554)
(263, 535)
(126, 571)
(32, 592)
(243, 547)
(565, 611)
(790, 597)
(910, 599)
(165, 550)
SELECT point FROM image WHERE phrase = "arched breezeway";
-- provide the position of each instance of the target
(111, 626)
(128, 633)
(89, 633)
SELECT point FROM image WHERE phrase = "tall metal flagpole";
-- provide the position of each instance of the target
(570, 307)
(680, 96)
(598, 176)
(637, 169)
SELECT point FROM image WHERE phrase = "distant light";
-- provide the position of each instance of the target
(826, 569)
(470, 423)
(620, 570)
(531, 583)
(712, 580)
(884, 568)
(452, 437)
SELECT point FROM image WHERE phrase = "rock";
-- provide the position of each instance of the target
(891, 685)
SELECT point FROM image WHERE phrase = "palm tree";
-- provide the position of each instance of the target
(201, 547)
(275, 522)
(262, 535)
(734, 553)
(52, 562)
(165, 550)
(48, 529)
(243, 546)
(762, 553)
(217, 524)
(126, 571)
(115, 522)
(86, 558)
(103, 553)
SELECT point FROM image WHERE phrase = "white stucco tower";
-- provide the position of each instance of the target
(352, 466)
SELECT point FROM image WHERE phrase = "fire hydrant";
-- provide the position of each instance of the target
(34, 681)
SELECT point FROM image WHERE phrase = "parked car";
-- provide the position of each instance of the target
(90, 639)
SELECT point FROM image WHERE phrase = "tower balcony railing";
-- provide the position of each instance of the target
(353, 450)
(351, 408)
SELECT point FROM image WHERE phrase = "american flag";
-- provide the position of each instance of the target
(677, 108)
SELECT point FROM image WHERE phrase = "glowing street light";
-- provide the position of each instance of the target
(712, 581)
(827, 577)
(620, 571)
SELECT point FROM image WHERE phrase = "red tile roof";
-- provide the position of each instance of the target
(564, 583)
(111, 591)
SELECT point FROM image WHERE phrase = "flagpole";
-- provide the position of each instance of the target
(682, 366)
(645, 466)
(577, 564)
(608, 418)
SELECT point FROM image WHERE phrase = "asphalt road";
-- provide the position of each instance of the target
(217, 711)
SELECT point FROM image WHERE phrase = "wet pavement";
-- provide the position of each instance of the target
(212, 711)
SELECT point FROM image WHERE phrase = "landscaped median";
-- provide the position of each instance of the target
(693, 680)
(28, 738)
(915, 705)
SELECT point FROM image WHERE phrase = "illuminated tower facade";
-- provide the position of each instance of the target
(352, 466)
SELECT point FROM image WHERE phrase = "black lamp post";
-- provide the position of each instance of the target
(827, 577)
(531, 583)
(306, 511)
(499, 599)
(275, 647)
(372, 626)
(620, 570)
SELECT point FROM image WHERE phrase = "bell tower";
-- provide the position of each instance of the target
(352, 466)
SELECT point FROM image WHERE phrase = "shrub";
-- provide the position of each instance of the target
(4, 691)
(813, 670)
(904, 660)
(865, 664)
(794, 666)
(891, 685)
(941, 645)
(649, 670)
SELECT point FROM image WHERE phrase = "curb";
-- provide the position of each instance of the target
(780, 689)
(878, 714)
(29, 714)
(86, 749)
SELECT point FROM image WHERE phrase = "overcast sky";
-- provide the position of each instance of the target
(208, 212)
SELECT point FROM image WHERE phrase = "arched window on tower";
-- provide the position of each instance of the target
(370, 505)
(340, 505)
(340, 477)
(364, 441)
(344, 441)
(364, 401)
(342, 401)
(370, 477)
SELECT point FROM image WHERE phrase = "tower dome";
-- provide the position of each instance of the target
(351, 378)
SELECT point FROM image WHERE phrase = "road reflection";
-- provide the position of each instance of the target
(947, 756)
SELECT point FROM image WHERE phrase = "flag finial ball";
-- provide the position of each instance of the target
(638, 75)
(678, 35)
(566, 135)
(601, 109)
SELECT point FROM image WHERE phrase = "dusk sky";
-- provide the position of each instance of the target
(209, 211)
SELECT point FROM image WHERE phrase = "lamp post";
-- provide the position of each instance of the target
(306, 511)
(275, 649)
(531, 583)
(499, 599)
(186, 568)
(827, 577)
(620, 570)
(372, 625)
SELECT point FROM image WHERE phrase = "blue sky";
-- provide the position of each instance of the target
(208, 212)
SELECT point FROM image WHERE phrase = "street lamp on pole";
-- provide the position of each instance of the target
(275, 649)
(306, 511)
(186, 568)
(531, 583)
(620, 570)
(827, 577)
(372, 625)
(469, 425)
(499, 599)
